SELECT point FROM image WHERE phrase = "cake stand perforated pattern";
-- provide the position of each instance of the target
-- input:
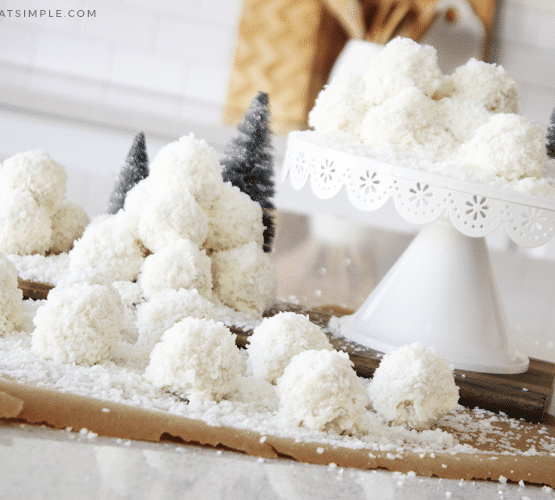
(443, 282)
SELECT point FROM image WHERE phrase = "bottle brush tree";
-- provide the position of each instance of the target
(550, 137)
(134, 169)
(248, 161)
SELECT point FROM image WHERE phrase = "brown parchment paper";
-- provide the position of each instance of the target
(36, 405)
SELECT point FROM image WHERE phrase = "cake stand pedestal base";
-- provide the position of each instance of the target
(441, 292)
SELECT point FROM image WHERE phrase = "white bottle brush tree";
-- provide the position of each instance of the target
(134, 169)
(248, 161)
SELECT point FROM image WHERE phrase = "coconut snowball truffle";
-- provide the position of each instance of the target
(339, 106)
(197, 359)
(172, 214)
(35, 172)
(508, 145)
(180, 265)
(165, 309)
(402, 63)
(277, 339)
(68, 225)
(413, 386)
(234, 220)
(321, 391)
(189, 164)
(25, 226)
(409, 120)
(78, 324)
(110, 244)
(483, 83)
(244, 278)
(10, 297)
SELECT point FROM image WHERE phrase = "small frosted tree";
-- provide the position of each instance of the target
(550, 138)
(248, 161)
(134, 169)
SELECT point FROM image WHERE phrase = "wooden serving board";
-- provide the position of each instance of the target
(526, 395)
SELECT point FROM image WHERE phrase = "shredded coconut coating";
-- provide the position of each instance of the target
(244, 278)
(137, 199)
(197, 359)
(180, 265)
(339, 105)
(485, 84)
(189, 164)
(10, 297)
(234, 220)
(78, 324)
(413, 386)
(408, 120)
(461, 118)
(172, 215)
(508, 145)
(320, 390)
(110, 244)
(25, 226)
(401, 64)
(38, 174)
(277, 339)
(165, 309)
(68, 225)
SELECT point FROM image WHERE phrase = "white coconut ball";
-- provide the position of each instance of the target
(189, 164)
(509, 146)
(321, 391)
(38, 174)
(110, 244)
(244, 278)
(401, 64)
(408, 121)
(165, 309)
(413, 386)
(234, 220)
(172, 215)
(197, 359)
(25, 226)
(137, 199)
(277, 339)
(68, 225)
(11, 313)
(485, 84)
(180, 265)
(339, 106)
(78, 324)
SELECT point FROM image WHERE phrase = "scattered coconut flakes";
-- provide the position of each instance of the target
(319, 389)
(413, 386)
(46, 269)
(278, 339)
(197, 359)
(180, 265)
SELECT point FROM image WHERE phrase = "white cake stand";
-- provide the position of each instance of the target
(442, 291)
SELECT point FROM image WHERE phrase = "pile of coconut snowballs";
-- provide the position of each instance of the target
(35, 216)
(404, 103)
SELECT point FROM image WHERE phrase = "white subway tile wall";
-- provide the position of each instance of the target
(179, 54)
